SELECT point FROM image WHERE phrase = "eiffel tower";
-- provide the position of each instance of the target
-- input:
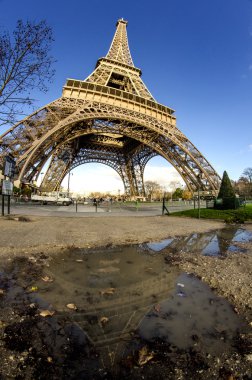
(109, 118)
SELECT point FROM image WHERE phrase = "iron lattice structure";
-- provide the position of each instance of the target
(110, 118)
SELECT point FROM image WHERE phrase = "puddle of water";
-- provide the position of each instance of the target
(111, 288)
(192, 316)
(123, 296)
(242, 236)
(106, 278)
(158, 246)
(213, 243)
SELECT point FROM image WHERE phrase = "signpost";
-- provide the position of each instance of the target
(7, 185)
(9, 167)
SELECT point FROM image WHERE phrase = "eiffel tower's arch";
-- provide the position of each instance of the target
(110, 118)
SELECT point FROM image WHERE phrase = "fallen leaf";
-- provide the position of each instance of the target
(32, 258)
(157, 308)
(1, 292)
(33, 289)
(108, 291)
(112, 356)
(79, 261)
(144, 356)
(2, 324)
(49, 359)
(248, 357)
(71, 306)
(103, 320)
(46, 313)
(47, 279)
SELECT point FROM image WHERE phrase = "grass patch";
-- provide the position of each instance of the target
(239, 215)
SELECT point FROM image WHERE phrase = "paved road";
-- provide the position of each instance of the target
(90, 210)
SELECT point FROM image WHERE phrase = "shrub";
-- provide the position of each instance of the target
(226, 199)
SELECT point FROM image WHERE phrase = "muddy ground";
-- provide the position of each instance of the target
(45, 236)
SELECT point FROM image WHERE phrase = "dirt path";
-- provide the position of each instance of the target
(54, 231)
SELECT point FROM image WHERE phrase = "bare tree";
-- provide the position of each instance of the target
(25, 64)
(151, 187)
(247, 173)
(244, 185)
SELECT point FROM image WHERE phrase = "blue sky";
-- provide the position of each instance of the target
(196, 57)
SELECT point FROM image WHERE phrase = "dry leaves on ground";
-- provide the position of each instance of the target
(144, 356)
(108, 291)
(46, 313)
(71, 306)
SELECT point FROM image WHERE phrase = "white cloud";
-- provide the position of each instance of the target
(250, 146)
(165, 176)
(94, 177)
(98, 177)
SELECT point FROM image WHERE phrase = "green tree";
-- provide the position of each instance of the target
(226, 198)
(16, 190)
(178, 193)
(25, 65)
(26, 191)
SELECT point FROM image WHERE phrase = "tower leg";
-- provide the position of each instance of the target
(134, 172)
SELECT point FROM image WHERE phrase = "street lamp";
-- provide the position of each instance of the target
(41, 179)
(199, 179)
(68, 186)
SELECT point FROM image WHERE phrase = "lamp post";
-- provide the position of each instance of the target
(41, 179)
(198, 196)
(68, 185)
(198, 202)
